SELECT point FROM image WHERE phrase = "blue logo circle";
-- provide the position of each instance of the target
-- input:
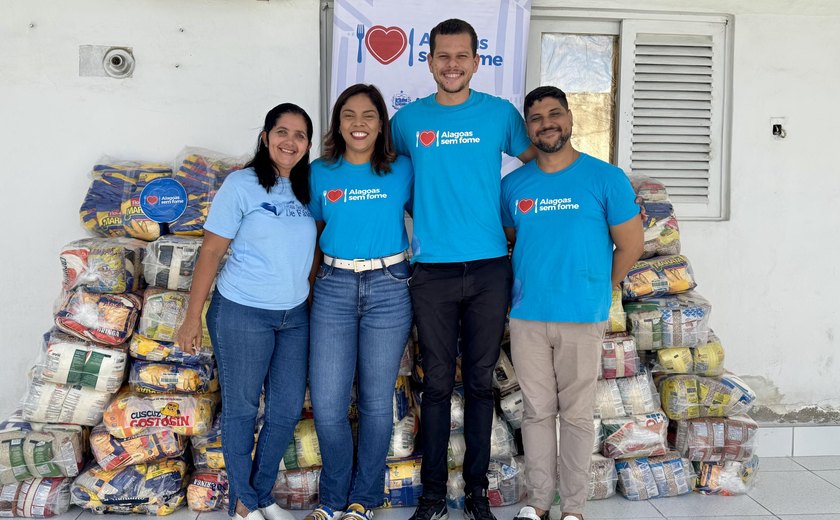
(163, 200)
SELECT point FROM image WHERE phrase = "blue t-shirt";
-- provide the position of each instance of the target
(364, 212)
(562, 260)
(457, 156)
(273, 242)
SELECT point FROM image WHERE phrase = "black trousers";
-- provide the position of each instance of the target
(470, 299)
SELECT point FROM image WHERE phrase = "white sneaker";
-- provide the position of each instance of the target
(275, 512)
(253, 515)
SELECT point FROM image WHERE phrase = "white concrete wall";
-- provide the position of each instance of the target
(770, 271)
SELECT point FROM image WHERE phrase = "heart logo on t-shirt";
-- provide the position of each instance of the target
(334, 195)
(427, 137)
(152, 200)
(385, 43)
(525, 205)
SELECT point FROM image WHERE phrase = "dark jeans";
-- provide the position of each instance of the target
(470, 298)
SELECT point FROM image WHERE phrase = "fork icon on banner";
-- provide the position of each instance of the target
(360, 35)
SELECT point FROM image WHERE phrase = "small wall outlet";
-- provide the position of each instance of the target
(103, 60)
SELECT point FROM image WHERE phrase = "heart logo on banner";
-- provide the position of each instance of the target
(334, 195)
(427, 137)
(525, 205)
(152, 199)
(385, 43)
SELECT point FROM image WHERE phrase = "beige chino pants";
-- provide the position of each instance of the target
(557, 368)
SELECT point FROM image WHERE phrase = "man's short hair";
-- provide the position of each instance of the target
(543, 92)
(453, 26)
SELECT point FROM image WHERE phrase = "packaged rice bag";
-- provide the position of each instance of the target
(638, 395)
(617, 322)
(103, 265)
(147, 349)
(680, 397)
(208, 490)
(67, 359)
(673, 475)
(635, 479)
(131, 413)
(602, 477)
(513, 407)
(29, 449)
(715, 439)
(151, 377)
(307, 449)
(636, 436)
(504, 378)
(113, 180)
(201, 172)
(163, 313)
(608, 399)
(170, 261)
(404, 436)
(657, 277)
(402, 483)
(692, 396)
(618, 356)
(106, 319)
(54, 403)
(113, 453)
(297, 489)
(726, 478)
(671, 321)
(35, 498)
(207, 448)
(156, 488)
(506, 481)
(705, 359)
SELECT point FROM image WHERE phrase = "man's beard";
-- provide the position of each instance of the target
(556, 147)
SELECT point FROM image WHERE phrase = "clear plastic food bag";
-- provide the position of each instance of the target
(402, 483)
(608, 400)
(113, 453)
(207, 448)
(152, 377)
(55, 403)
(170, 261)
(35, 498)
(106, 319)
(131, 413)
(636, 436)
(602, 477)
(716, 439)
(103, 265)
(147, 349)
(638, 394)
(404, 437)
(673, 475)
(67, 359)
(208, 490)
(619, 357)
(30, 449)
(297, 489)
(658, 276)
(163, 313)
(726, 478)
(671, 321)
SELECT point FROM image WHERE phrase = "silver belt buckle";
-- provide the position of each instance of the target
(356, 267)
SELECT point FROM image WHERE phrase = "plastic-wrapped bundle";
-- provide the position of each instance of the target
(113, 182)
(157, 488)
(638, 395)
(456, 449)
(103, 265)
(403, 437)
(147, 349)
(673, 475)
(402, 483)
(502, 444)
(135, 222)
(163, 313)
(671, 321)
(131, 413)
(151, 377)
(35, 498)
(690, 396)
(726, 478)
(208, 490)
(297, 489)
(67, 359)
(658, 276)
(617, 321)
(637, 436)
(598, 437)
(662, 232)
(201, 172)
(113, 453)
(618, 356)
(107, 319)
(54, 403)
(456, 411)
(170, 261)
(608, 399)
(602, 477)
(407, 359)
(715, 439)
(504, 378)
(455, 489)
(307, 449)
(30, 450)
(706, 359)
(402, 397)
(635, 479)
(207, 448)
(513, 407)
(648, 189)
(507, 482)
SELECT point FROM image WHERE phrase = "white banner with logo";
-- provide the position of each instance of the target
(386, 43)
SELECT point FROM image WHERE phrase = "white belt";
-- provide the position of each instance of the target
(360, 264)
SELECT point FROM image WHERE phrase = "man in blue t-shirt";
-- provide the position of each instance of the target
(461, 281)
(576, 232)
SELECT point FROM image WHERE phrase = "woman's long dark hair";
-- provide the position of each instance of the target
(264, 166)
(383, 150)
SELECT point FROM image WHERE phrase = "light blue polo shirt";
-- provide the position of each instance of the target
(364, 212)
(456, 152)
(562, 259)
(273, 242)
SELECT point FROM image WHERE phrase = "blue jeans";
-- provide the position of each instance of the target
(255, 348)
(360, 322)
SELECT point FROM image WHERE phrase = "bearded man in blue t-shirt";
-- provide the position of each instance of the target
(462, 276)
(576, 232)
